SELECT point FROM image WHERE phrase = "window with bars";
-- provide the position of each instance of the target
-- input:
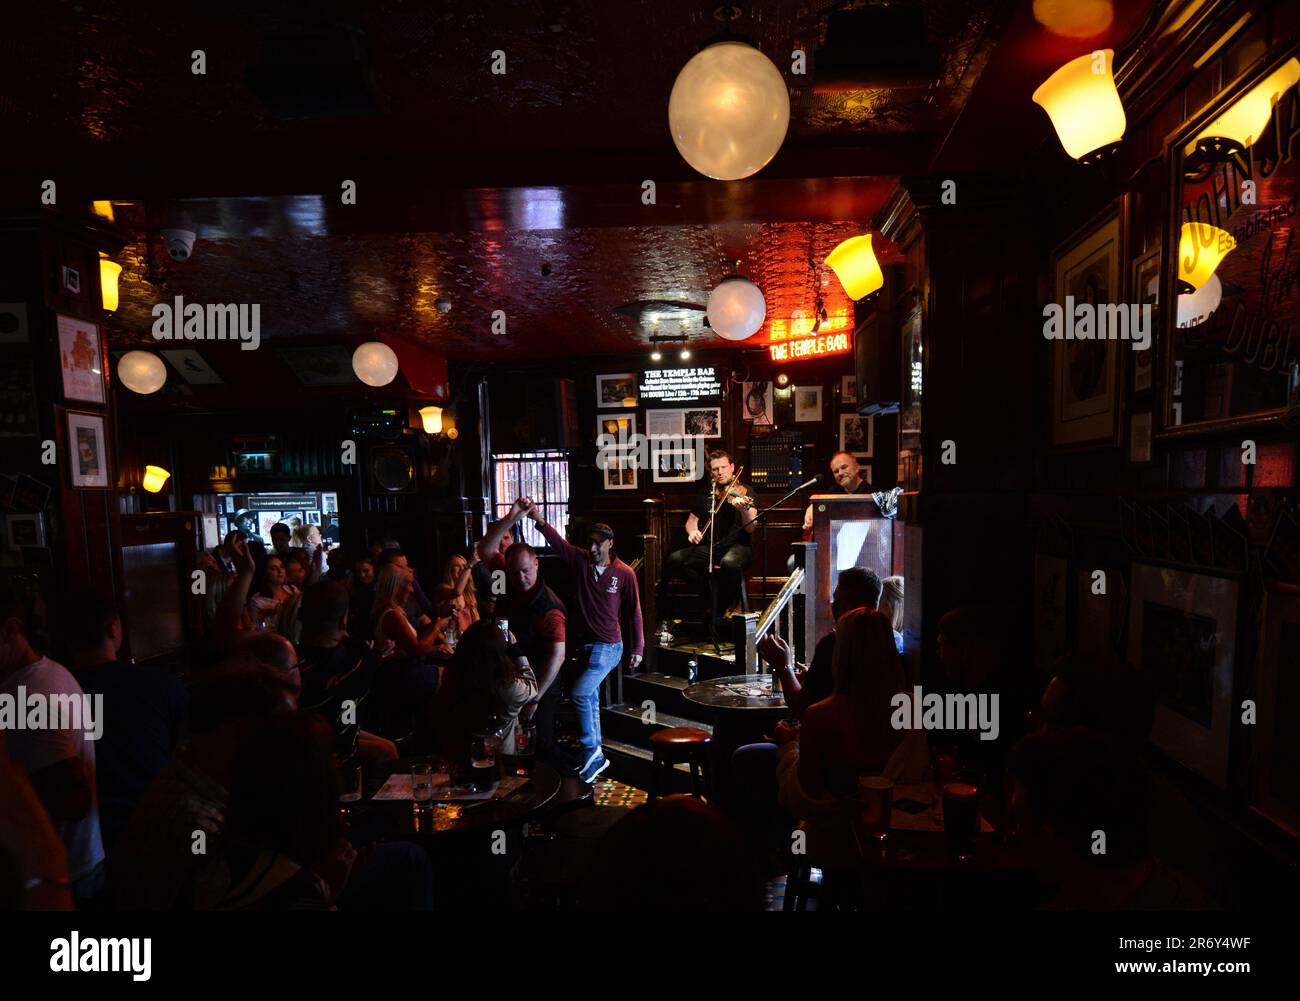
(543, 476)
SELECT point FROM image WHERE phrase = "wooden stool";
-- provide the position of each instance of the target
(676, 744)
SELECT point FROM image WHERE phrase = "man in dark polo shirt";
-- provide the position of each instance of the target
(606, 590)
(536, 619)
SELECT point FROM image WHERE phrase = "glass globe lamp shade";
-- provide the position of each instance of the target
(736, 308)
(1081, 100)
(375, 363)
(729, 111)
(154, 478)
(855, 265)
(141, 372)
(1201, 248)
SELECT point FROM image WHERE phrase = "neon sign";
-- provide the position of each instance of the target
(811, 347)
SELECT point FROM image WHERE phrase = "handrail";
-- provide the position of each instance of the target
(635, 565)
(783, 598)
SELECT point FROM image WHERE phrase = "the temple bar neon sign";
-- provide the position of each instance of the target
(811, 347)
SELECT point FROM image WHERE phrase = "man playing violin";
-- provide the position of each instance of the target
(732, 527)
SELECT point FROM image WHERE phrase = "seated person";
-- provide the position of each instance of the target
(155, 862)
(337, 672)
(417, 606)
(144, 710)
(733, 525)
(843, 737)
(264, 606)
(457, 597)
(408, 682)
(485, 688)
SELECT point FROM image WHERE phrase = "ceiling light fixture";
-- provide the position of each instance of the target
(141, 372)
(1081, 100)
(729, 109)
(375, 363)
(736, 308)
(685, 355)
(656, 355)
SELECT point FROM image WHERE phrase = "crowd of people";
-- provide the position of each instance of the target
(220, 791)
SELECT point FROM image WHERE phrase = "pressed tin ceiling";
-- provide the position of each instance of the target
(470, 185)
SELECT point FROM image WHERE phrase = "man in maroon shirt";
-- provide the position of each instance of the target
(606, 591)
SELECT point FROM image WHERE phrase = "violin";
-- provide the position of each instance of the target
(735, 494)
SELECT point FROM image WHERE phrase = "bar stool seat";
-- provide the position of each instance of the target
(676, 744)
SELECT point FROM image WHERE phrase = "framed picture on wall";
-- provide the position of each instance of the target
(1182, 633)
(81, 360)
(675, 465)
(1146, 292)
(807, 404)
(857, 435)
(620, 472)
(1139, 438)
(86, 450)
(665, 424)
(616, 391)
(757, 404)
(1274, 762)
(848, 389)
(1086, 273)
(702, 422)
(620, 426)
(24, 530)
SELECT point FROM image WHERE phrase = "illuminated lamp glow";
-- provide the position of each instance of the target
(431, 418)
(375, 363)
(855, 265)
(154, 478)
(810, 347)
(1240, 126)
(108, 274)
(141, 372)
(1201, 248)
(1081, 100)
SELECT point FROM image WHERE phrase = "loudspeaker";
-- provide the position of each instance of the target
(393, 467)
(531, 415)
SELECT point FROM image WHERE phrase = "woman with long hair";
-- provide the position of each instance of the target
(845, 736)
(891, 602)
(407, 683)
(388, 616)
(486, 686)
(273, 589)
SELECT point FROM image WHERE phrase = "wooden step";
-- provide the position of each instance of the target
(633, 765)
(625, 722)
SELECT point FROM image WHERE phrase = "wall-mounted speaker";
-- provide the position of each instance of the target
(392, 467)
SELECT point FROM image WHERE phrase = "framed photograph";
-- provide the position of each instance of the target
(857, 435)
(807, 404)
(313, 517)
(675, 465)
(1146, 292)
(757, 405)
(702, 422)
(71, 279)
(621, 471)
(621, 426)
(87, 450)
(81, 360)
(13, 323)
(1139, 438)
(25, 530)
(1085, 373)
(1051, 605)
(1274, 761)
(265, 521)
(1182, 633)
(616, 391)
(848, 389)
(665, 424)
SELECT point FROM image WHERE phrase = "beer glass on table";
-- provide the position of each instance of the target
(483, 750)
(525, 749)
(961, 813)
(421, 786)
(876, 805)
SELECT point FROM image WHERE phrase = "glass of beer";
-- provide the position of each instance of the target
(421, 786)
(350, 779)
(961, 816)
(876, 804)
(483, 749)
(525, 748)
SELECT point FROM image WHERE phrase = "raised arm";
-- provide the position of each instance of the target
(491, 541)
(562, 545)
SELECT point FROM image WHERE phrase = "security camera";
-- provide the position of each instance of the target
(443, 304)
(180, 243)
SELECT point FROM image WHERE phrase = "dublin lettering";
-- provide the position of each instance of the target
(220, 321)
(1086, 321)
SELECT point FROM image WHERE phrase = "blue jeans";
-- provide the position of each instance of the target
(597, 660)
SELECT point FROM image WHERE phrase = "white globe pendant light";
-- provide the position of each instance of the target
(736, 308)
(375, 363)
(141, 372)
(729, 111)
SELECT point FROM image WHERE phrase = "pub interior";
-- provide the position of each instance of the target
(663, 456)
